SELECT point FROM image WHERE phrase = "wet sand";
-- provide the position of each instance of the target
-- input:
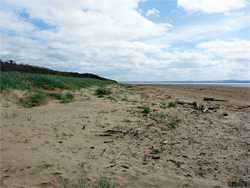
(111, 137)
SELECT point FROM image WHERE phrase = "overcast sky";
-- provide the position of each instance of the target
(130, 40)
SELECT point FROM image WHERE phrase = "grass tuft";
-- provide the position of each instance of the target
(56, 95)
(128, 86)
(68, 97)
(240, 183)
(145, 111)
(171, 105)
(100, 183)
(38, 98)
(152, 148)
(100, 92)
(172, 125)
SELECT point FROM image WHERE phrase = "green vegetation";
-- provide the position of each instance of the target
(103, 183)
(80, 184)
(172, 125)
(171, 105)
(29, 118)
(159, 117)
(82, 164)
(100, 92)
(47, 165)
(68, 97)
(28, 81)
(65, 98)
(163, 128)
(163, 106)
(145, 110)
(201, 172)
(240, 183)
(152, 148)
(6, 115)
(178, 164)
(56, 95)
(100, 183)
(65, 135)
(39, 98)
(127, 120)
(127, 86)
(26, 103)
(36, 83)
(15, 114)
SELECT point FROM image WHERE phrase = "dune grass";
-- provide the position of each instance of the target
(100, 183)
(67, 97)
(102, 91)
(28, 81)
(56, 95)
(40, 97)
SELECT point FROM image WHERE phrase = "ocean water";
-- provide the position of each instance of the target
(193, 83)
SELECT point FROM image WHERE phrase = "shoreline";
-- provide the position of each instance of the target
(245, 85)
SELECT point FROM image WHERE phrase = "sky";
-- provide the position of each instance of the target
(130, 40)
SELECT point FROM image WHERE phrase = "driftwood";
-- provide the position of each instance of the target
(155, 157)
(109, 141)
(213, 99)
(135, 133)
(110, 133)
(202, 107)
(213, 107)
(104, 135)
(111, 166)
(103, 152)
(113, 132)
(204, 110)
(192, 103)
(225, 114)
(123, 166)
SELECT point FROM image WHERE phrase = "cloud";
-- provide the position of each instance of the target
(13, 22)
(209, 30)
(153, 12)
(89, 20)
(125, 60)
(230, 50)
(211, 6)
(111, 39)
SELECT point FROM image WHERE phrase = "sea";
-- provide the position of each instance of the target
(246, 84)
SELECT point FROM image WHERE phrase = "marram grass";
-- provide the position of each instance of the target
(28, 81)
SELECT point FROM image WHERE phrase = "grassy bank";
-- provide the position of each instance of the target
(28, 81)
(41, 86)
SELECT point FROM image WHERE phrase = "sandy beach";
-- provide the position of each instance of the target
(131, 137)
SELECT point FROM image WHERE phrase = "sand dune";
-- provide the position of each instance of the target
(111, 137)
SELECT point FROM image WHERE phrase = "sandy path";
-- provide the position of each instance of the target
(39, 145)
